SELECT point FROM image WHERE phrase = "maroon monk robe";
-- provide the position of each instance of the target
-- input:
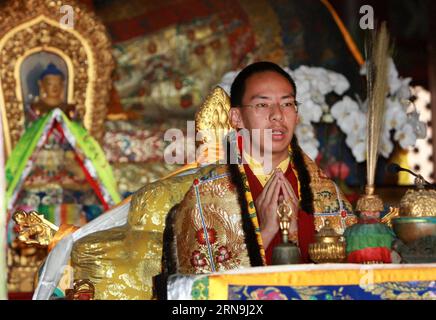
(305, 223)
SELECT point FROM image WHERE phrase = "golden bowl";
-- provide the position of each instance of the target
(410, 229)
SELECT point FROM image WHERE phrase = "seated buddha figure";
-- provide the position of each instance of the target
(51, 94)
(216, 216)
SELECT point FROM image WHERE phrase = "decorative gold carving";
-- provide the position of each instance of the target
(329, 246)
(28, 26)
(33, 229)
(418, 203)
(212, 124)
(83, 289)
(387, 219)
(369, 201)
(214, 114)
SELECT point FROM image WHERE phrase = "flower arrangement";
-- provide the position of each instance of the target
(314, 84)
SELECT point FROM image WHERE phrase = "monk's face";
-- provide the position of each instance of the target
(273, 89)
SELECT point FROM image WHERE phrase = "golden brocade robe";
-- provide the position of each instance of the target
(122, 261)
(208, 230)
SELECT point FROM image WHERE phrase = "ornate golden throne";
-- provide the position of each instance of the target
(120, 259)
(124, 259)
(33, 33)
(32, 27)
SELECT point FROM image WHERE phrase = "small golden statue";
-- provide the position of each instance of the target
(51, 94)
(329, 246)
(286, 252)
(33, 229)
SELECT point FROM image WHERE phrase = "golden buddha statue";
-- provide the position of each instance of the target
(51, 94)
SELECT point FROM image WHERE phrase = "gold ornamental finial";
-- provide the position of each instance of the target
(377, 54)
(285, 212)
(212, 125)
(369, 202)
(33, 228)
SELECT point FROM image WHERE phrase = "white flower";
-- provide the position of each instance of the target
(303, 96)
(302, 72)
(421, 130)
(353, 123)
(339, 82)
(322, 84)
(310, 147)
(352, 139)
(386, 146)
(303, 88)
(357, 136)
(307, 140)
(404, 92)
(306, 136)
(343, 108)
(359, 151)
(419, 127)
(317, 97)
(395, 115)
(317, 78)
(309, 111)
(405, 136)
(304, 132)
(320, 80)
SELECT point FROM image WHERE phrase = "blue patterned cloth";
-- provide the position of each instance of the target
(382, 291)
